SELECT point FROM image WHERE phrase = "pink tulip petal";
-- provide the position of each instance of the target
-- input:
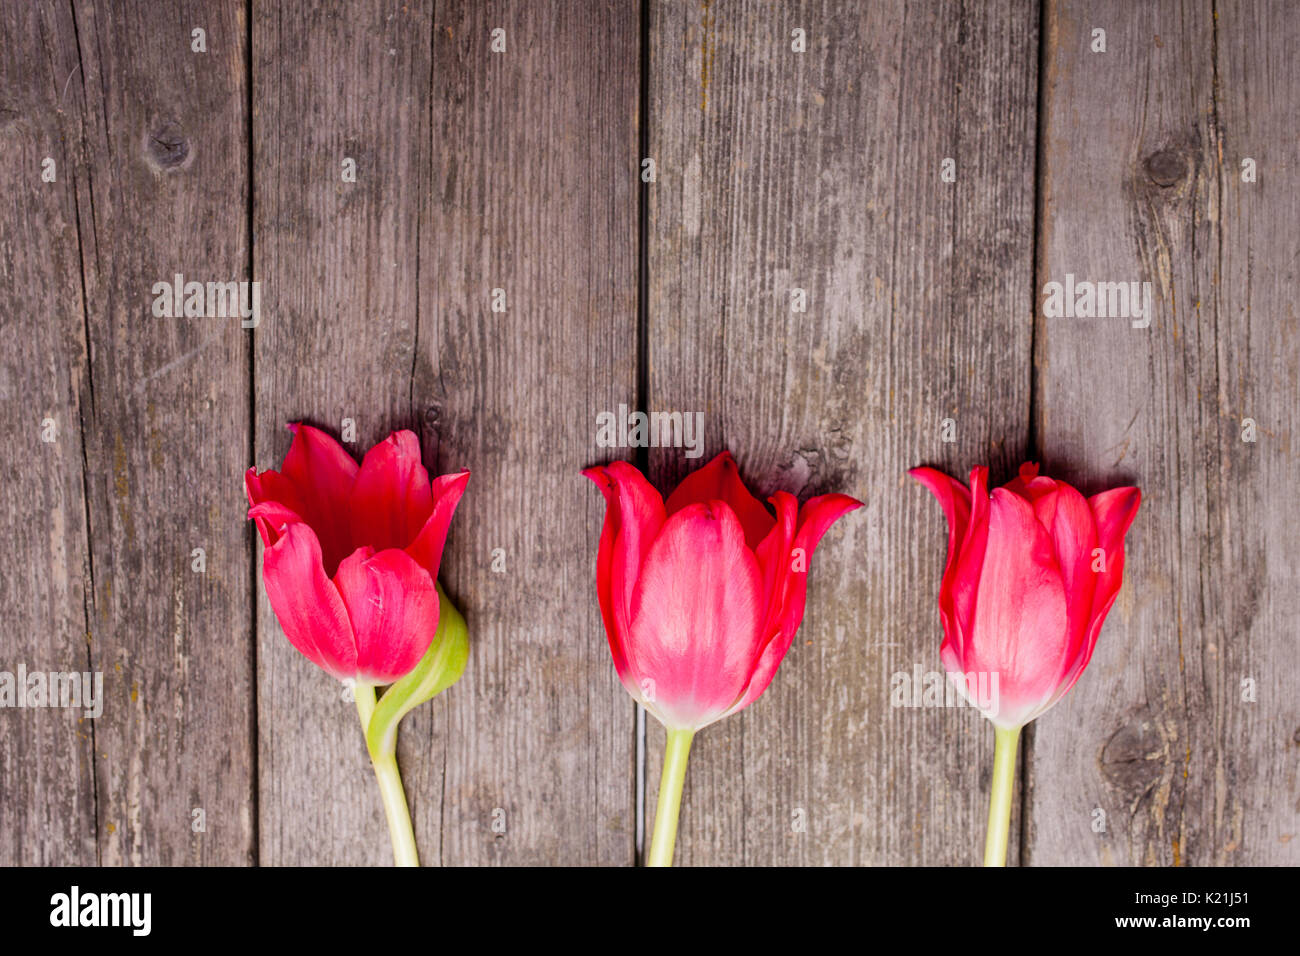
(1020, 613)
(1068, 520)
(321, 473)
(634, 513)
(393, 606)
(273, 489)
(697, 612)
(960, 589)
(309, 608)
(955, 501)
(269, 516)
(426, 549)
(390, 499)
(774, 558)
(815, 519)
(1113, 512)
(720, 480)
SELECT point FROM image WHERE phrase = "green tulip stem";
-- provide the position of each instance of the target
(1004, 784)
(676, 753)
(384, 760)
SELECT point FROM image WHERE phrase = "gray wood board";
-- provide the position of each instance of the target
(379, 299)
(1141, 181)
(534, 192)
(821, 171)
(47, 795)
(153, 429)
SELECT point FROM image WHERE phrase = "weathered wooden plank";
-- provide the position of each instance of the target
(822, 171)
(1249, 751)
(160, 191)
(47, 811)
(379, 298)
(1141, 182)
(339, 264)
(534, 192)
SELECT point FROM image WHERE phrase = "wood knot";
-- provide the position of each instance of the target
(1134, 757)
(1167, 167)
(166, 147)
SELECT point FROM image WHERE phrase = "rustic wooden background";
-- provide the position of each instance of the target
(519, 170)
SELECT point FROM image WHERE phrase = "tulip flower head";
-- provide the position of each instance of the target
(352, 553)
(1032, 570)
(702, 596)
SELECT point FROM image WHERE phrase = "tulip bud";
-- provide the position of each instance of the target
(702, 594)
(352, 553)
(1032, 570)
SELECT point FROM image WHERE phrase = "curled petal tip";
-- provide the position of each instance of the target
(453, 483)
(933, 480)
(599, 476)
(838, 503)
(925, 474)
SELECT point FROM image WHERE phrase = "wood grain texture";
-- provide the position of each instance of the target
(1251, 752)
(534, 192)
(1141, 181)
(151, 189)
(170, 424)
(47, 795)
(821, 171)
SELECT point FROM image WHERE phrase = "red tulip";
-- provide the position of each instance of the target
(352, 553)
(1031, 572)
(701, 597)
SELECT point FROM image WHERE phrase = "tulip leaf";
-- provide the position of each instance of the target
(442, 665)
